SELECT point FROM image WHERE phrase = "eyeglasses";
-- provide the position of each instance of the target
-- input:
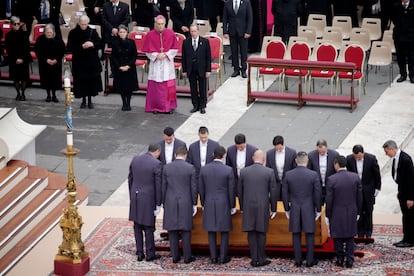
(16, 24)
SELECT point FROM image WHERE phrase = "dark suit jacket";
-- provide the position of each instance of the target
(193, 156)
(290, 162)
(257, 195)
(111, 20)
(231, 157)
(302, 197)
(181, 17)
(217, 196)
(240, 23)
(403, 22)
(144, 181)
(179, 194)
(313, 163)
(343, 203)
(405, 177)
(202, 54)
(177, 143)
(371, 176)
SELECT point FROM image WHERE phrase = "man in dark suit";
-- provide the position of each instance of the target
(144, 181)
(179, 196)
(366, 166)
(302, 202)
(403, 174)
(93, 9)
(237, 24)
(218, 200)
(346, 8)
(321, 160)
(182, 15)
(343, 206)
(114, 13)
(169, 145)
(281, 159)
(239, 155)
(143, 13)
(402, 15)
(257, 195)
(286, 15)
(196, 64)
(201, 152)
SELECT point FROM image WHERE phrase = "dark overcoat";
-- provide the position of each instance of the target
(217, 196)
(257, 196)
(343, 203)
(144, 181)
(313, 163)
(124, 52)
(181, 17)
(18, 47)
(231, 158)
(177, 144)
(302, 197)
(179, 194)
(285, 17)
(193, 156)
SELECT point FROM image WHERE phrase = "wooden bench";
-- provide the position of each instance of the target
(299, 97)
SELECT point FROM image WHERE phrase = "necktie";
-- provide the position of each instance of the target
(236, 6)
(114, 7)
(194, 44)
(393, 169)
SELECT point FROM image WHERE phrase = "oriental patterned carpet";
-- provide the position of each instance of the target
(111, 247)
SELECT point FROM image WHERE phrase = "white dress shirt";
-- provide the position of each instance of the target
(323, 165)
(203, 153)
(360, 167)
(280, 162)
(240, 160)
(169, 151)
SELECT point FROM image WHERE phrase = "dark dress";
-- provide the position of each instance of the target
(50, 48)
(86, 66)
(18, 47)
(124, 52)
(259, 8)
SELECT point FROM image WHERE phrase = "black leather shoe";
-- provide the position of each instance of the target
(235, 74)
(193, 110)
(153, 258)
(243, 74)
(214, 261)
(22, 98)
(48, 99)
(140, 258)
(401, 78)
(203, 111)
(339, 263)
(176, 260)
(55, 99)
(412, 79)
(225, 260)
(265, 262)
(18, 97)
(254, 263)
(90, 105)
(192, 259)
(298, 264)
(404, 244)
(83, 105)
(314, 262)
(397, 243)
(348, 265)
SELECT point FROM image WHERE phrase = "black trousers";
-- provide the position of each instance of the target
(198, 87)
(344, 247)
(407, 221)
(173, 236)
(224, 244)
(365, 219)
(149, 240)
(238, 45)
(405, 55)
(297, 247)
(257, 245)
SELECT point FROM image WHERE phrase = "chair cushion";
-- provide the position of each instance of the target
(348, 75)
(296, 72)
(322, 74)
(270, 71)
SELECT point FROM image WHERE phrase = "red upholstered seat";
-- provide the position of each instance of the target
(217, 54)
(138, 38)
(324, 52)
(275, 49)
(355, 54)
(299, 51)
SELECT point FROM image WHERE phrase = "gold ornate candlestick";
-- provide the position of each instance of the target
(72, 250)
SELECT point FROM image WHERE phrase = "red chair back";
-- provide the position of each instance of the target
(215, 46)
(355, 54)
(38, 30)
(300, 51)
(275, 49)
(326, 52)
(5, 26)
(180, 38)
(139, 38)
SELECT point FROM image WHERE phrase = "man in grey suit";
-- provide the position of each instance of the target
(281, 159)
(302, 201)
(343, 206)
(218, 199)
(321, 161)
(144, 181)
(179, 196)
(169, 145)
(200, 152)
(257, 195)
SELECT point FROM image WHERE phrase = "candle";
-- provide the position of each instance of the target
(66, 83)
(69, 139)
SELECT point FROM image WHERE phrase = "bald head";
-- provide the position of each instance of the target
(259, 157)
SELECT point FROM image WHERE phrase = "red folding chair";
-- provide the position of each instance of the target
(178, 65)
(356, 54)
(139, 38)
(275, 49)
(217, 55)
(299, 51)
(324, 52)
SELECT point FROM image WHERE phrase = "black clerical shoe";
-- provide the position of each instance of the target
(192, 259)
(298, 264)
(195, 109)
(214, 261)
(348, 264)
(55, 99)
(225, 260)
(90, 105)
(22, 98)
(83, 105)
(140, 258)
(243, 74)
(401, 78)
(404, 244)
(412, 79)
(254, 263)
(153, 258)
(203, 111)
(176, 260)
(265, 262)
(235, 74)
(399, 242)
(48, 99)
(314, 262)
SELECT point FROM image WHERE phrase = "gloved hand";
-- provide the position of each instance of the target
(194, 210)
(357, 217)
(327, 221)
(233, 211)
(273, 215)
(157, 210)
(376, 192)
(287, 214)
(317, 215)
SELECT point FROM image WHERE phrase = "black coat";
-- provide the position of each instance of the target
(53, 48)
(95, 18)
(207, 8)
(143, 13)
(124, 52)
(237, 24)
(86, 65)
(286, 14)
(403, 22)
(111, 20)
(181, 17)
(18, 47)
(203, 56)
